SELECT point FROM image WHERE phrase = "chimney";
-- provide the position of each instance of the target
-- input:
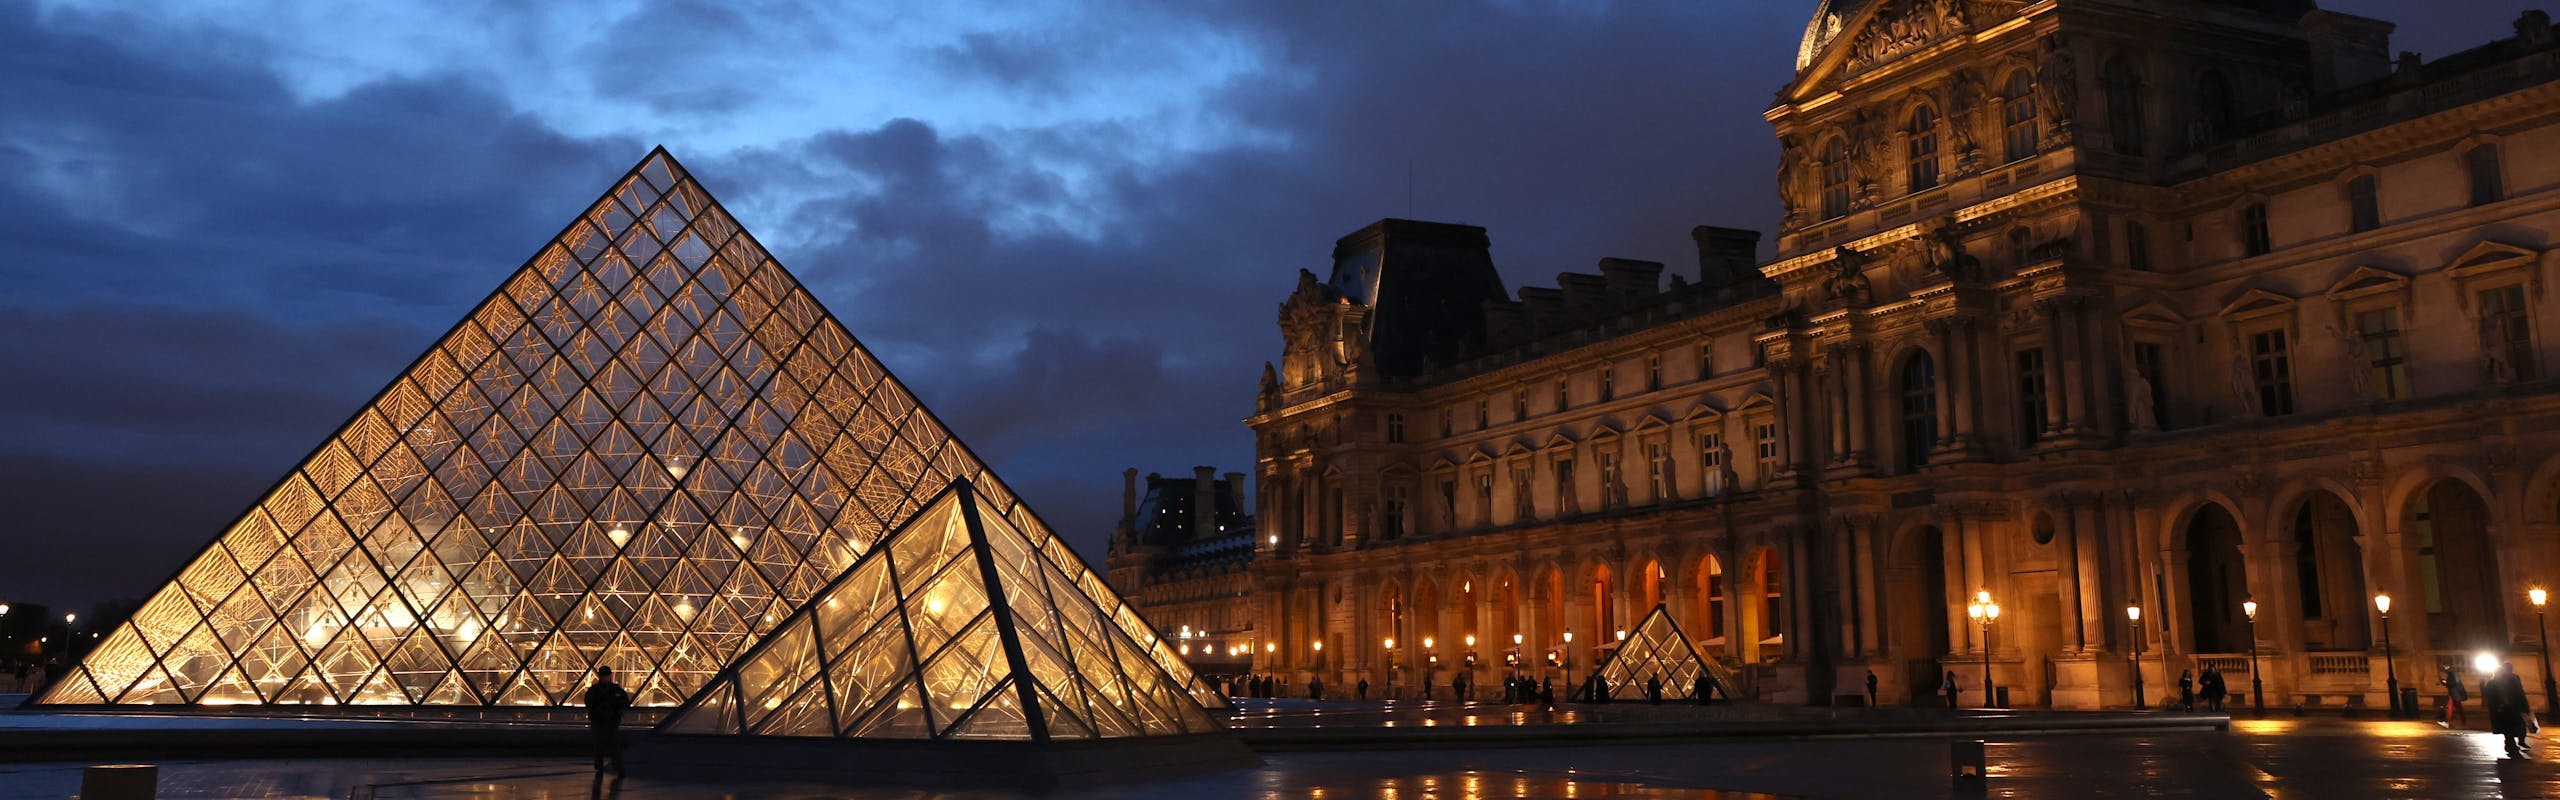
(2346, 50)
(1726, 256)
(1244, 502)
(1204, 501)
(1129, 494)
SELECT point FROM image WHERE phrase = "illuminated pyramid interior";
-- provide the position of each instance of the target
(1655, 649)
(956, 626)
(644, 450)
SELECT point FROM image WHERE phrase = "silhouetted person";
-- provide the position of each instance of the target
(2186, 690)
(1704, 691)
(1315, 688)
(1547, 694)
(1466, 688)
(2510, 712)
(1364, 690)
(605, 702)
(1951, 688)
(2214, 688)
(1871, 688)
(2454, 694)
(1653, 690)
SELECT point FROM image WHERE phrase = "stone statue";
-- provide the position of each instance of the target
(2244, 388)
(2138, 399)
(1946, 253)
(2494, 363)
(1964, 104)
(2060, 84)
(1790, 157)
(1868, 151)
(2359, 377)
(1270, 396)
(1848, 281)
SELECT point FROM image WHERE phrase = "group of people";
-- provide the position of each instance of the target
(2502, 695)
(2210, 688)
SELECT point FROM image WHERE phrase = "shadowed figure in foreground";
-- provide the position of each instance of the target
(605, 702)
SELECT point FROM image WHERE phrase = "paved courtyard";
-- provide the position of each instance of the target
(2283, 758)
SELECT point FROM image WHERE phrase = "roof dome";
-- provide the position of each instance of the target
(1826, 25)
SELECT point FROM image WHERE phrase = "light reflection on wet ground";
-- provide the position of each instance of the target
(2281, 758)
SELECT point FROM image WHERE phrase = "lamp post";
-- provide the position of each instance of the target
(2133, 618)
(1392, 667)
(2391, 671)
(1566, 661)
(2542, 637)
(2257, 687)
(1984, 612)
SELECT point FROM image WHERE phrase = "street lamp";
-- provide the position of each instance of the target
(1984, 612)
(2391, 671)
(2133, 618)
(2542, 636)
(1567, 662)
(2257, 687)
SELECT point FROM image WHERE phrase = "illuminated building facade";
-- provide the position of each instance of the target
(2084, 304)
(1183, 555)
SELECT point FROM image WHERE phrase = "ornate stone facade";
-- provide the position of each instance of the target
(1183, 555)
(2086, 304)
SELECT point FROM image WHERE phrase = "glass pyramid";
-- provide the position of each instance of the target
(643, 450)
(955, 627)
(1655, 649)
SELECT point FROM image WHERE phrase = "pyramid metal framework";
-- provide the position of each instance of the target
(954, 627)
(1656, 648)
(644, 450)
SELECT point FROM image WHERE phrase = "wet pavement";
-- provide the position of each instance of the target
(2283, 758)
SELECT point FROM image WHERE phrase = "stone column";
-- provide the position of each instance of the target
(1785, 417)
(2057, 404)
(2067, 576)
(1964, 370)
(2088, 526)
(1942, 331)
(1853, 370)
(2071, 368)
(1951, 554)
(1864, 543)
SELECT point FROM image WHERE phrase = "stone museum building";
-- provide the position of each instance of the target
(2219, 312)
(1183, 555)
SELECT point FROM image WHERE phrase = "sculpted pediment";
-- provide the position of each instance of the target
(1849, 38)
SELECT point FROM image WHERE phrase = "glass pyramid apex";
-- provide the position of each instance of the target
(955, 627)
(1656, 648)
(643, 450)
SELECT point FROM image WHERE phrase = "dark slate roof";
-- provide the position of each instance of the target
(1426, 284)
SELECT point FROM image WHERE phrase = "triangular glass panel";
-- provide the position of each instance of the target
(1655, 649)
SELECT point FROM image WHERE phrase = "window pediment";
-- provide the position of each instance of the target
(2154, 315)
(2253, 304)
(2367, 281)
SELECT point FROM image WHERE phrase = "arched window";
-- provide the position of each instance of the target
(1923, 151)
(1835, 179)
(2021, 122)
(2213, 107)
(2124, 106)
(1919, 409)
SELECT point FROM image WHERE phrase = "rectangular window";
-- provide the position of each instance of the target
(2148, 362)
(2507, 331)
(1484, 495)
(2031, 399)
(2255, 240)
(1564, 392)
(1448, 423)
(2488, 178)
(1449, 500)
(1653, 372)
(2271, 365)
(1706, 360)
(1519, 403)
(2386, 355)
(1764, 446)
(2137, 246)
(1395, 427)
(1565, 500)
(1657, 458)
(1523, 497)
(1610, 493)
(1484, 413)
(1711, 462)
(2364, 204)
(1608, 382)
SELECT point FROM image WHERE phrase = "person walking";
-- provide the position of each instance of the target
(1653, 690)
(2217, 689)
(1704, 691)
(1315, 688)
(605, 703)
(1950, 688)
(2454, 694)
(2186, 690)
(1871, 688)
(1547, 694)
(1364, 690)
(2510, 712)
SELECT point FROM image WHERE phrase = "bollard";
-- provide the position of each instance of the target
(120, 782)
(1965, 762)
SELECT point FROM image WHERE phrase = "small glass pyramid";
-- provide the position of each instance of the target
(643, 450)
(1655, 649)
(955, 627)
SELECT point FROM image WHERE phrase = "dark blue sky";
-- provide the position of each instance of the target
(1067, 225)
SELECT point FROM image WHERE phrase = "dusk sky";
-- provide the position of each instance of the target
(1068, 226)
